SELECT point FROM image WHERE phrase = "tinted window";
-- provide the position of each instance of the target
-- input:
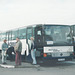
(22, 33)
(8, 35)
(29, 33)
(14, 34)
(3, 36)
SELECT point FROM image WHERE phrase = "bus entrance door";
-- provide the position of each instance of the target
(38, 36)
(39, 41)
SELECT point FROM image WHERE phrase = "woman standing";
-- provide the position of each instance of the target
(4, 49)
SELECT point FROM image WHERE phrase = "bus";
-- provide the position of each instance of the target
(53, 42)
(73, 34)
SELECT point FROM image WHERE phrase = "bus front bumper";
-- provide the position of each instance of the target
(67, 58)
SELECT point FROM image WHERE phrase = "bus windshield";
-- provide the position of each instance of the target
(57, 35)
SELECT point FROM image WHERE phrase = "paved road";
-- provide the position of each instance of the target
(60, 68)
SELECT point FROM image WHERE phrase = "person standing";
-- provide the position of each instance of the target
(33, 51)
(4, 49)
(18, 49)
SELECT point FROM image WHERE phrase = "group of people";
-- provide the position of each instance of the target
(17, 50)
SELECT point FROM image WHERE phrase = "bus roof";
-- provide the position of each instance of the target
(34, 25)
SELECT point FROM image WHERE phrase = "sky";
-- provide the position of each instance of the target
(19, 13)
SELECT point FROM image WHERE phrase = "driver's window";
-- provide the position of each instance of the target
(39, 32)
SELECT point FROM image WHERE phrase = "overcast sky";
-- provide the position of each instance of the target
(18, 13)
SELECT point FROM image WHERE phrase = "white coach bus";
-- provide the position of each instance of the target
(53, 42)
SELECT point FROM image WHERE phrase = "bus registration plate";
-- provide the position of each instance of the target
(63, 59)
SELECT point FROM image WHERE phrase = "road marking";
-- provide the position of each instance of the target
(7, 66)
(22, 66)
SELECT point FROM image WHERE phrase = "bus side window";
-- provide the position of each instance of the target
(14, 34)
(22, 33)
(4, 36)
(8, 35)
(29, 34)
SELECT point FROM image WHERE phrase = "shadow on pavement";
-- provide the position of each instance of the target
(57, 64)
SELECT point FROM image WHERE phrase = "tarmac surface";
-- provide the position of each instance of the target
(11, 64)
